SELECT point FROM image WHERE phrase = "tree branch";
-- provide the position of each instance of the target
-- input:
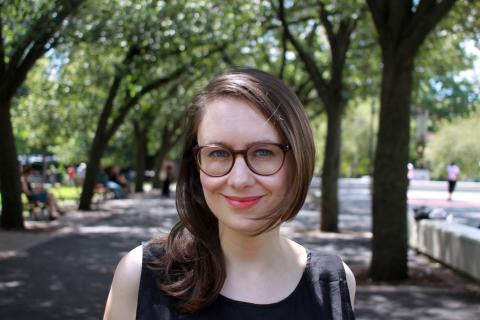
(323, 14)
(125, 108)
(308, 61)
(311, 36)
(42, 30)
(284, 54)
(33, 45)
(169, 134)
(227, 59)
(425, 19)
(266, 57)
(378, 12)
(112, 93)
(273, 26)
(132, 101)
(2, 47)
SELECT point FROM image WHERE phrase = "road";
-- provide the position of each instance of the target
(355, 196)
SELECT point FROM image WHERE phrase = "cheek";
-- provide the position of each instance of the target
(277, 184)
(283, 183)
(209, 184)
(285, 175)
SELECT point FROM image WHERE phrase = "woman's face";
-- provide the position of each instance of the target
(241, 194)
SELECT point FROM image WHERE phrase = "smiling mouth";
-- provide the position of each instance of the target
(242, 202)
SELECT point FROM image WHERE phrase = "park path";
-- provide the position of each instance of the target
(65, 273)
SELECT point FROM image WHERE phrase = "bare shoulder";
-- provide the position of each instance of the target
(352, 285)
(130, 266)
(122, 299)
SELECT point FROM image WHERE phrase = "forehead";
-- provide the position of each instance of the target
(236, 123)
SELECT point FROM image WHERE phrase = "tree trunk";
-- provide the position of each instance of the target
(10, 188)
(330, 170)
(140, 156)
(94, 160)
(160, 157)
(389, 199)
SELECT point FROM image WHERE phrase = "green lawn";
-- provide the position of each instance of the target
(66, 192)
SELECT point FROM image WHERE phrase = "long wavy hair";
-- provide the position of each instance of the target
(191, 263)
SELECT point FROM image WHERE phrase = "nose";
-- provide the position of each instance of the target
(240, 176)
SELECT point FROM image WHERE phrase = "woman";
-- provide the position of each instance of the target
(39, 195)
(247, 163)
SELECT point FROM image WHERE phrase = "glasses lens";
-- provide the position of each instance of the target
(265, 159)
(214, 160)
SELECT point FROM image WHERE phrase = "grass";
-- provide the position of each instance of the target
(66, 192)
(62, 193)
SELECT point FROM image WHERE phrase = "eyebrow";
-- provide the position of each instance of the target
(248, 145)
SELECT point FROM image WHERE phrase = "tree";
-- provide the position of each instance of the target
(109, 122)
(170, 125)
(402, 27)
(158, 127)
(331, 90)
(28, 29)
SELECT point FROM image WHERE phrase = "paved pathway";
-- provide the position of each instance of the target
(65, 273)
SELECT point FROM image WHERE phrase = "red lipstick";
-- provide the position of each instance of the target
(242, 202)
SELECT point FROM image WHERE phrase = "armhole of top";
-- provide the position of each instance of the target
(141, 291)
(330, 268)
(347, 308)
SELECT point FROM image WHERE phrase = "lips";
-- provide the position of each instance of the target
(242, 202)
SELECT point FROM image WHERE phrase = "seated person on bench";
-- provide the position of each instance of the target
(103, 180)
(39, 195)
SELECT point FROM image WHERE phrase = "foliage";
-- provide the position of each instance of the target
(442, 89)
(59, 104)
(359, 137)
(64, 96)
(456, 141)
(319, 129)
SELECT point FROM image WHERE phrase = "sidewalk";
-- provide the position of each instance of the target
(64, 272)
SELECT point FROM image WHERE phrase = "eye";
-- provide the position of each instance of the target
(219, 154)
(263, 152)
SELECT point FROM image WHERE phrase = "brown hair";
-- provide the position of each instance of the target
(192, 262)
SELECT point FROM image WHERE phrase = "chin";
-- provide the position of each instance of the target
(240, 222)
(245, 227)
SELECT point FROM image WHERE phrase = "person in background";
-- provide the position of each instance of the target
(453, 172)
(410, 171)
(107, 179)
(71, 172)
(80, 173)
(39, 194)
(118, 178)
(246, 166)
(166, 182)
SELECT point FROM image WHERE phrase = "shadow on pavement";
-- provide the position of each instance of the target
(68, 276)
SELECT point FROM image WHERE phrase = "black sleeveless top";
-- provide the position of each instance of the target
(322, 293)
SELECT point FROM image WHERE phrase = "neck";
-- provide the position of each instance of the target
(248, 252)
(258, 262)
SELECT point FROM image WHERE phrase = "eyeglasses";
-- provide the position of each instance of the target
(264, 159)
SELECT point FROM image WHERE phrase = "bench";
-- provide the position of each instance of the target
(103, 192)
(452, 244)
(37, 210)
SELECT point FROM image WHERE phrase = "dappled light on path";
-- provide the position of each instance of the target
(67, 273)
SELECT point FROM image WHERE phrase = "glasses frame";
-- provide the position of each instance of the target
(196, 151)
